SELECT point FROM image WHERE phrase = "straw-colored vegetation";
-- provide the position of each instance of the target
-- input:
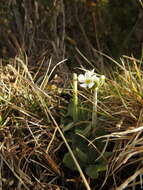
(55, 134)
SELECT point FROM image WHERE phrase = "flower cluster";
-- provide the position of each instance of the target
(91, 80)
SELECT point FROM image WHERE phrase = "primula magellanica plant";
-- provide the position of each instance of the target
(91, 81)
(77, 125)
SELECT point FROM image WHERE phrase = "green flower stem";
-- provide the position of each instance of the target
(75, 97)
(94, 112)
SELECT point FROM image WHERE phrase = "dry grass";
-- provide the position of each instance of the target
(35, 46)
(30, 127)
(29, 140)
(124, 124)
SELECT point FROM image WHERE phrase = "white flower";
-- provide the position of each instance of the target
(88, 79)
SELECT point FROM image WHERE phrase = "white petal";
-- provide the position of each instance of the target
(92, 72)
(89, 73)
(84, 85)
(95, 78)
(81, 78)
(91, 84)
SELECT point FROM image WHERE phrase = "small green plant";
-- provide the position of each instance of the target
(81, 127)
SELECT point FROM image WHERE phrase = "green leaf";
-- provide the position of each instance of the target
(93, 170)
(68, 127)
(79, 142)
(101, 167)
(81, 155)
(85, 131)
(68, 161)
(84, 113)
(70, 109)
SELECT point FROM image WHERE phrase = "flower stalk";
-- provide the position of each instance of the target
(75, 98)
(94, 111)
(91, 81)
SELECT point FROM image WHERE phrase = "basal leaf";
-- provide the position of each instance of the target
(68, 127)
(81, 155)
(68, 161)
(94, 170)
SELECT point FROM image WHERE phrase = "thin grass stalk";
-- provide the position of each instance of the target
(130, 179)
(141, 3)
